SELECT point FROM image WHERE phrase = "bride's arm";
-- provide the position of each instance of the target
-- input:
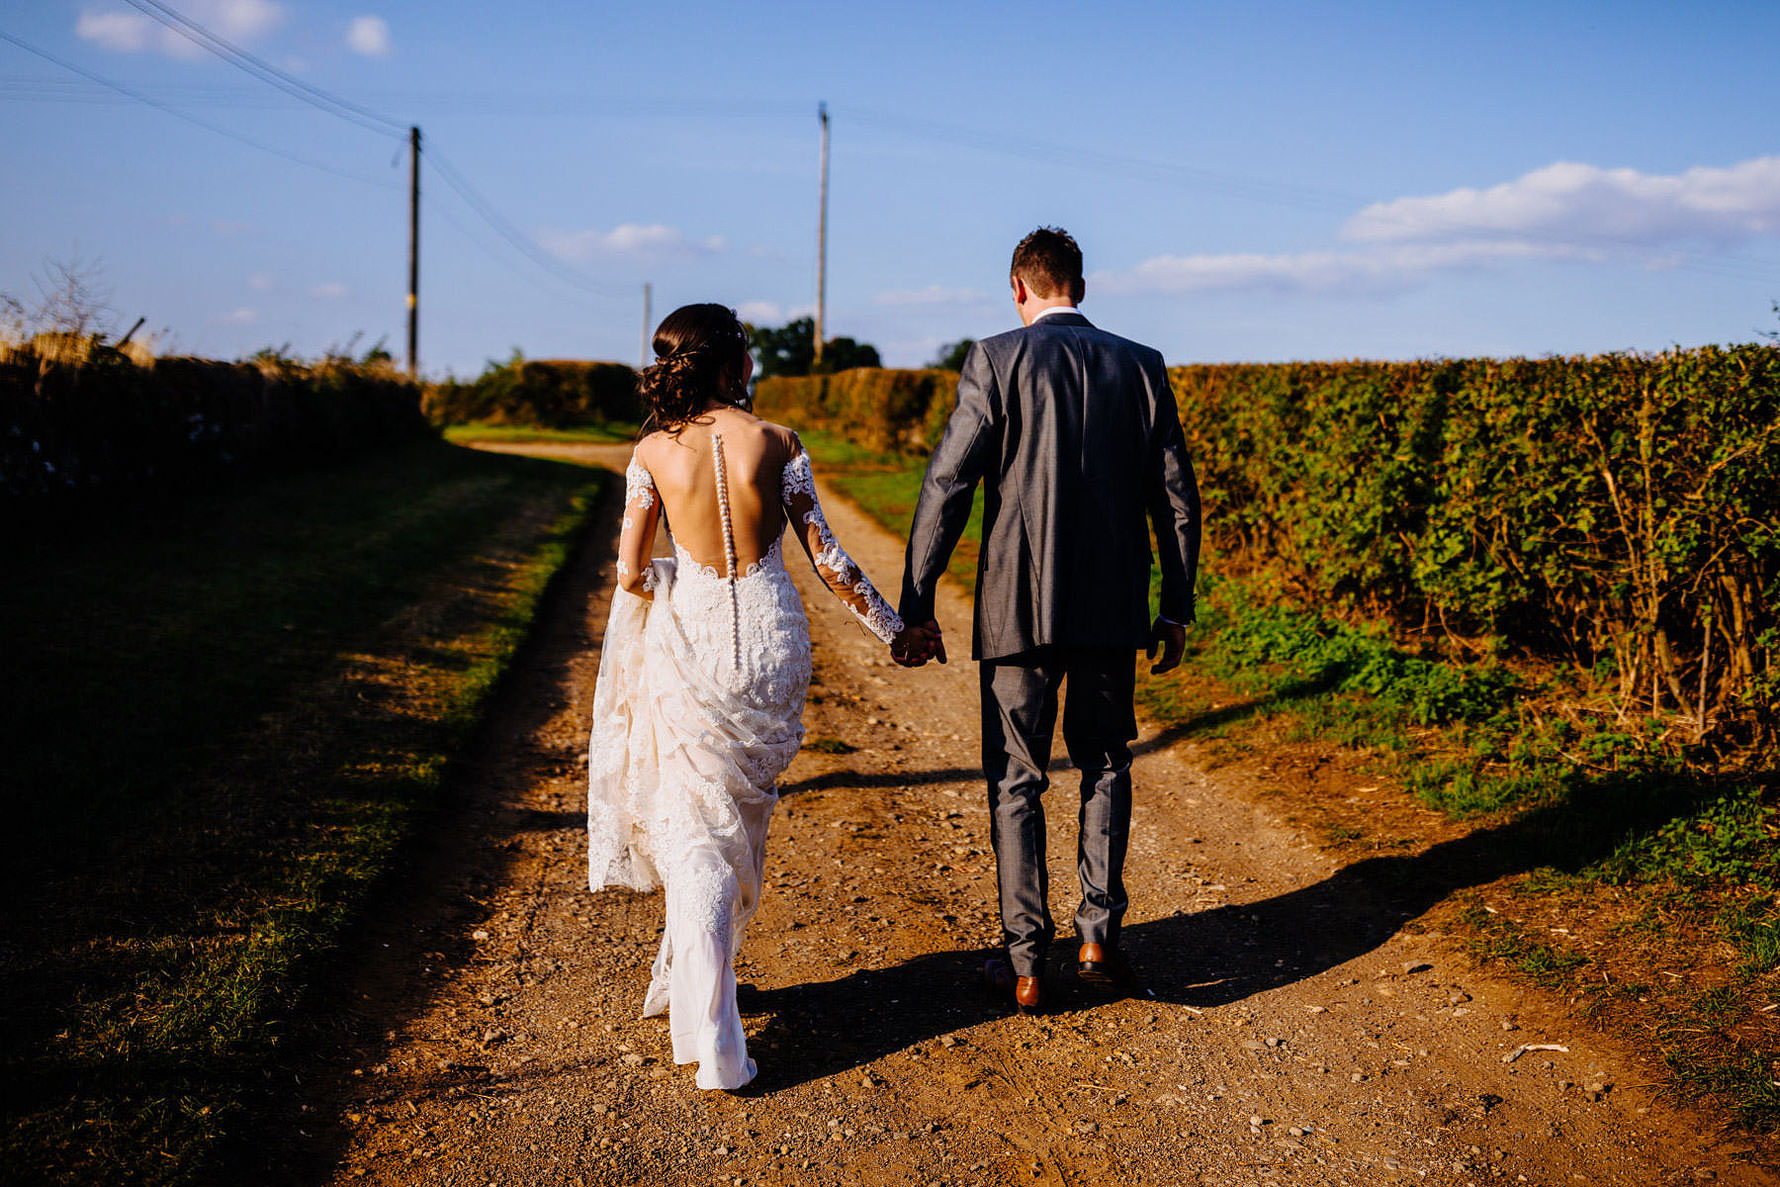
(642, 509)
(803, 513)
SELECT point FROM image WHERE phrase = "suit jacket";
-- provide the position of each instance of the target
(1075, 435)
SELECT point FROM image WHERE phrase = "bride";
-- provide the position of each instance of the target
(703, 672)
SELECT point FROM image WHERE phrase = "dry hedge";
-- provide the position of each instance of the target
(182, 423)
(887, 410)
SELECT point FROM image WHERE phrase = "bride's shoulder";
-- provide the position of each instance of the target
(784, 440)
(650, 445)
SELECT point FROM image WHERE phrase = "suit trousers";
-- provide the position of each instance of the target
(1019, 719)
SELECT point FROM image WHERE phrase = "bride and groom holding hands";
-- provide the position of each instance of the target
(705, 664)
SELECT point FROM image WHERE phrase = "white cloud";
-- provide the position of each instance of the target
(238, 19)
(331, 291)
(1577, 203)
(240, 317)
(368, 35)
(262, 282)
(933, 294)
(133, 32)
(760, 312)
(125, 32)
(1564, 211)
(1380, 269)
(627, 239)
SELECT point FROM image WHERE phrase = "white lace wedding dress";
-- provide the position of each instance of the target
(697, 712)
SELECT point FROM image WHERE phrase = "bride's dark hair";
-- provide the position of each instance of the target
(699, 357)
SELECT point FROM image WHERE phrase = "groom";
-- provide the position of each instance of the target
(1073, 432)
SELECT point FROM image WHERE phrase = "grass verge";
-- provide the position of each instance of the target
(886, 487)
(231, 711)
(1588, 854)
(601, 434)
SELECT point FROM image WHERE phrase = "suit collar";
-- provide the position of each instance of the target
(1071, 318)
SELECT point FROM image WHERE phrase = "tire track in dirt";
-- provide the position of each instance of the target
(488, 1033)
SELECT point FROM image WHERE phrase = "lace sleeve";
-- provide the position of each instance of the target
(804, 512)
(642, 508)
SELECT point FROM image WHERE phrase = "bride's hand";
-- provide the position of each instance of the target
(915, 645)
(912, 647)
(909, 648)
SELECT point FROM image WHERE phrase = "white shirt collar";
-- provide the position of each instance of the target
(1044, 313)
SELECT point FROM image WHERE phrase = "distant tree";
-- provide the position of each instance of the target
(790, 349)
(951, 356)
(844, 354)
(73, 299)
(1773, 336)
(15, 320)
(73, 305)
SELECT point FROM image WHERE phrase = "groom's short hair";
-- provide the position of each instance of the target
(1050, 262)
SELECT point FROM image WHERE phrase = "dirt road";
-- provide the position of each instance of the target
(1299, 1031)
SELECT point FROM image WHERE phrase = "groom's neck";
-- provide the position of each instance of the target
(1037, 307)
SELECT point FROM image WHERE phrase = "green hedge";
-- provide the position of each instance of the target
(183, 423)
(1619, 512)
(550, 393)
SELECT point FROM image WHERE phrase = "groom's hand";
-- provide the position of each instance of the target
(936, 642)
(918, 644)
(912, 647)
(1171, 639)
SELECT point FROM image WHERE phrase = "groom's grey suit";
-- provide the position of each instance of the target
(1075, 435)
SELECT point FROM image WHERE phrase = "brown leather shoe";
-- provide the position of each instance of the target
(1102, 964)
(1028, 992)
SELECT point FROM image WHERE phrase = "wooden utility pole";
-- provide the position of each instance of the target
(822, 237)
(414, 253)
(648, 320)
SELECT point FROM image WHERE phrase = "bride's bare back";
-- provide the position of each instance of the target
(754, 453)
(767, 478)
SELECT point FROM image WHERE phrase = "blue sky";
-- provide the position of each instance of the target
(1249, 181)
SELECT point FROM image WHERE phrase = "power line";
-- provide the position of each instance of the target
(448, 172)
(506, 259)
(365, 118)
(140, 97)
(535, 106)
(432, 103)
(290, 84)
(512, 234)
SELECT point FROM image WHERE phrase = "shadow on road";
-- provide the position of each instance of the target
(1220, 956)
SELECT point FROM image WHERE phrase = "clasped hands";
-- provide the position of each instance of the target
(915, 645)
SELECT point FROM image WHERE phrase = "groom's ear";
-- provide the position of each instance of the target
(1078, 290)
(1019, 287)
